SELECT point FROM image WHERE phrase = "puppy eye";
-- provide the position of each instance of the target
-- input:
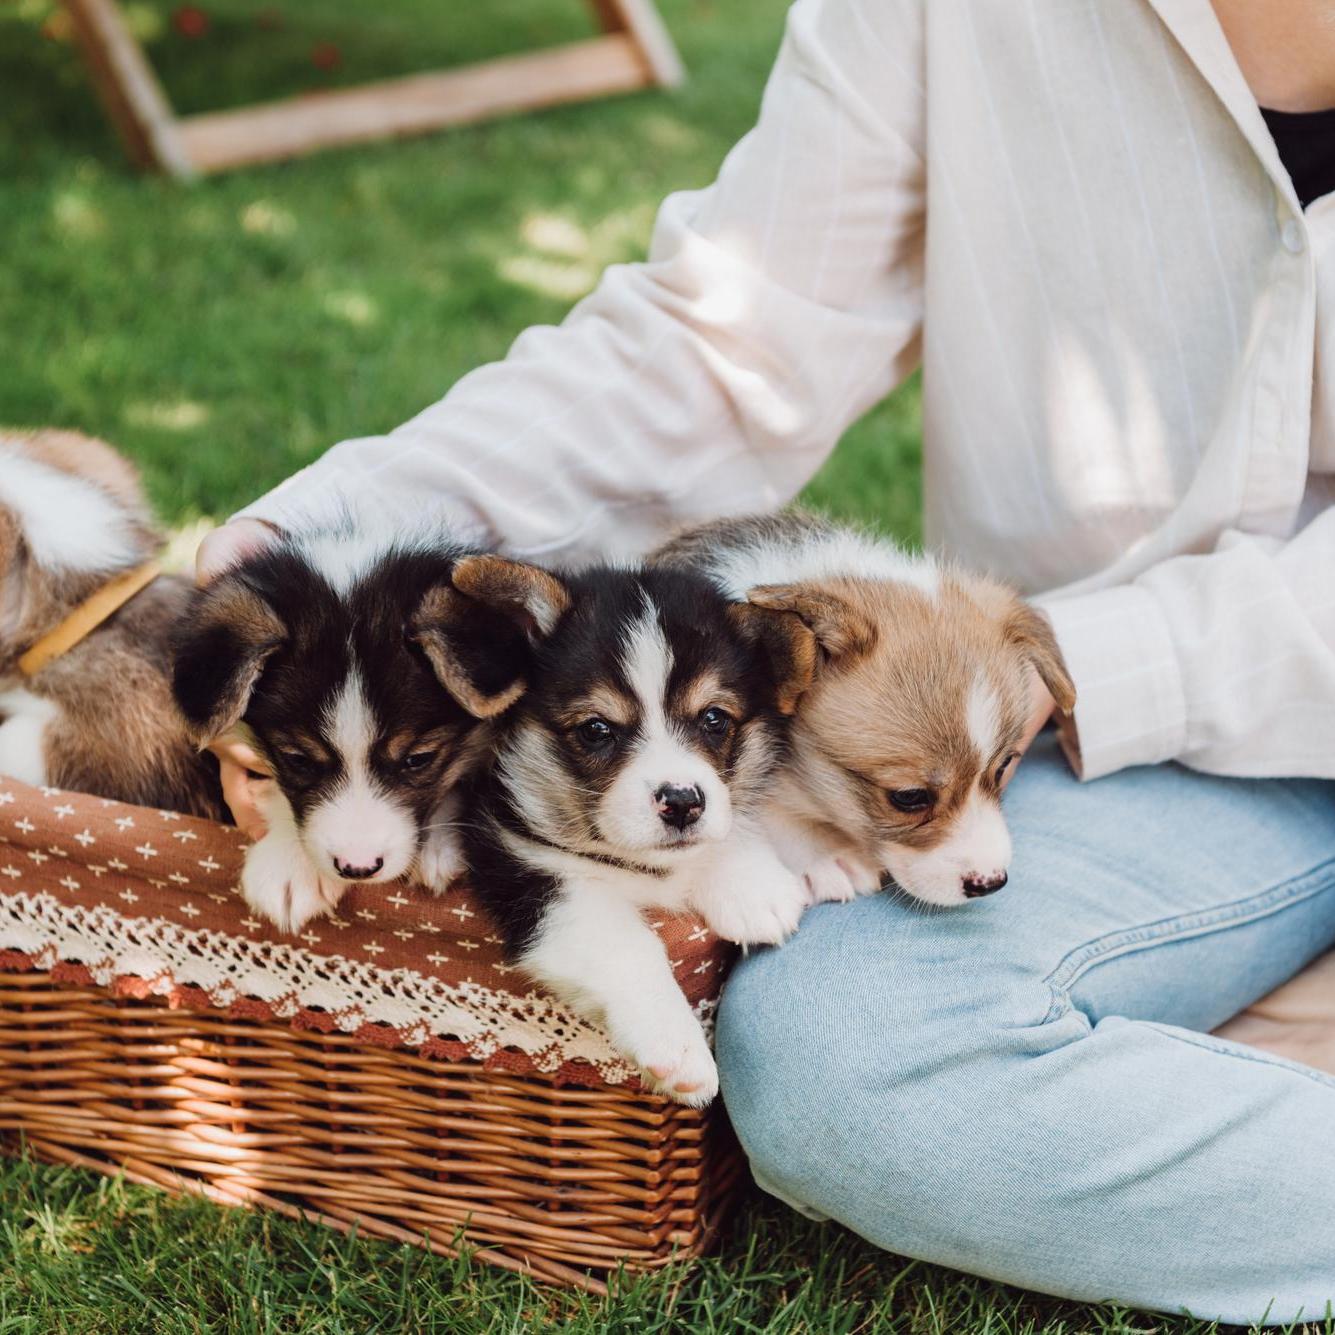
(715, 721)
(299, 765)
(1004, 766)
(911, 799)
(595, 734)
(417, 761)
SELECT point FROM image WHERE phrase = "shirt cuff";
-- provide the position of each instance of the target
(1130, 707)
(336, 493)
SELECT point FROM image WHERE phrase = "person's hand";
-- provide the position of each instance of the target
(1041, 705)
(245, 780)
(233, 542)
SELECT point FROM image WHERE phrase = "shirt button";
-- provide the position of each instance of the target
(1292, 236)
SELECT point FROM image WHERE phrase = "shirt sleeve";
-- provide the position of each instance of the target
(714, 378)
(1225, 662)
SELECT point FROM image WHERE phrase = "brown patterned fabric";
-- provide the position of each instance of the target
(146, 903)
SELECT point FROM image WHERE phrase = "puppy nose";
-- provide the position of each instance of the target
(679, 807)
(351, 873)
(977, 886)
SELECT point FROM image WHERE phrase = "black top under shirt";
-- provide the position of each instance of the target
(1306, 143)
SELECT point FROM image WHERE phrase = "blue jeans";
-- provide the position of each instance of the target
(1025, 1087)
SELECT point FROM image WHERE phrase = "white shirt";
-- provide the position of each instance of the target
(1073, 216)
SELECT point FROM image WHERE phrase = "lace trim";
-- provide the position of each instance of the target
(259, 979)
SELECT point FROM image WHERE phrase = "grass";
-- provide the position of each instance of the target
(91, 1256)
(228, 333)
(225, 335)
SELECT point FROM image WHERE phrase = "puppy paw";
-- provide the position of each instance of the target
(677, 1063)
(756, 912)
(279, 883)
(441, 861)
(838, 879)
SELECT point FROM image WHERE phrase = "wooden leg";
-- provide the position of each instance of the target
(636, 50)
(573, 72)
(128, 87)
(642, 21)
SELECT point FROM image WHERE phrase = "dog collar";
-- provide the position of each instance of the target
(87, 617)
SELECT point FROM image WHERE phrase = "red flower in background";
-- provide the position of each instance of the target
(326, 56)
(190, 21)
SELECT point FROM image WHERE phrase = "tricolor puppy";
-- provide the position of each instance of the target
(628, 777)
(97, 717)
(919, 700)
(337, 658)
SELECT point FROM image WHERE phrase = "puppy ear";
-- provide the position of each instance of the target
(478, 635)
(840, 629)
(787, 642)
(531, 597)
(221, 647)
(1031, 633)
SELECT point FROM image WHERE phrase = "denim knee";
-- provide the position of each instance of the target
(798, 1060)
(817, 1055)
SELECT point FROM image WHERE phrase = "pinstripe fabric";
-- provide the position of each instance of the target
(1119, 351)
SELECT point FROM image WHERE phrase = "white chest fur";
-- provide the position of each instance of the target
(24, 718)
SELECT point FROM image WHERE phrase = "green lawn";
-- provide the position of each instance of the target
(227, 333)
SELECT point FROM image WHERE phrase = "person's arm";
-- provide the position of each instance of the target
(1224, 662)
(774, 309)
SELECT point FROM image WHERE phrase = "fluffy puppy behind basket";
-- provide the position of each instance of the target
(628, 777)
(919, 700)
(336, 657)
(91, 713)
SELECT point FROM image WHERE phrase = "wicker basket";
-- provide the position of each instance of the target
(120, 1062)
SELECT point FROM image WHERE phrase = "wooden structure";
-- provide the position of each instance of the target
(633, 51)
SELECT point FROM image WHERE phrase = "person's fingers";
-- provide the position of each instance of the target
(240, 787)
(237, 752)
(1041, 705)
(233, 542)
(245, 778)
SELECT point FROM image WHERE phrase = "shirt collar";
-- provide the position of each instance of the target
(1197, 31)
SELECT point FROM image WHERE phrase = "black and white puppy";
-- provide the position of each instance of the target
(626, 779)
(338, 659)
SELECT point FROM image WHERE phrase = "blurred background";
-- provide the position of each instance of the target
(226, 332)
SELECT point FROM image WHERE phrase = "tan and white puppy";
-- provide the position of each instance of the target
(100, 718)
(901, 744)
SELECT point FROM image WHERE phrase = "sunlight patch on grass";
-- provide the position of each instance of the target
(548, 278)
(624, 233)
(178, 552)
(75, 216)
(667, 132)
(554, 235)
(177, 415)
(146, 23)
(354, 308)
(265, 218)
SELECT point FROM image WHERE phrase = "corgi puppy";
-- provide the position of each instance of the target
(100, 717)
(336, 657)
(901, 744)
(628, 778)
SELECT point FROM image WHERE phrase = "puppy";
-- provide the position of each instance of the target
(99, 718)
(337, 658)
(628, 778)
(918, 702)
